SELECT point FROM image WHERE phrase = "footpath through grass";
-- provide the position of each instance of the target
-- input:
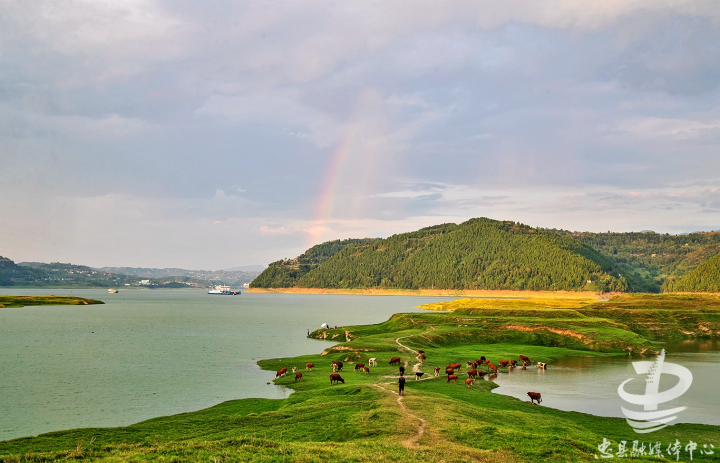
(364, 420)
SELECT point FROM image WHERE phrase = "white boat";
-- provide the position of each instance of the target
(223, 290)
(112, 291)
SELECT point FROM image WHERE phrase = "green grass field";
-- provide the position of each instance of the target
(364, 420)
(21, 301)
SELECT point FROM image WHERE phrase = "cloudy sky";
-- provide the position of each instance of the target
(211, 134)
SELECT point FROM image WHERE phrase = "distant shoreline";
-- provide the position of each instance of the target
(436, 292)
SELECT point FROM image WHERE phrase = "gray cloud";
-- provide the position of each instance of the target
(264, 127)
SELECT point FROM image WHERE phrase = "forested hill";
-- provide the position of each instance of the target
(705, 278)
(478, 254)
(651, 261)
(285, 273)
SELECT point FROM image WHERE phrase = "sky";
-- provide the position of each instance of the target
(210, 134)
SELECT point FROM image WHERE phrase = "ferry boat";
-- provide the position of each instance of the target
(112, 291)
(224, 290)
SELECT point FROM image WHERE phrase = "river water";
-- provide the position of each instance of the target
(149, 353)
(590, 384)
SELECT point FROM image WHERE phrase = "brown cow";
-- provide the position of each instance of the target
(309, 366)
(449, 371)
(281, 372)
(455, 366)
(469, 382)
(395, 361)
(334, 378)
(492, 367)
(472, 373)
(336, 366)
(535, 396)
(504, 363)
(452, 378)
(513, 363)
(359, 367)
(422, 358)
(468, 363)
(437, 371)
(420, 351)
(480, 373)
(525, 360)
(366, 370)
(298, 376)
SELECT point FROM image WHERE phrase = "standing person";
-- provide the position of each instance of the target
(401, 384)
(308, 332)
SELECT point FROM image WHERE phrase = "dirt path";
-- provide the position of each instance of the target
(412, 441)
(416, 367)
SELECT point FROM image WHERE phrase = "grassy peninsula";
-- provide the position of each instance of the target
(21, 301)
(365, 420)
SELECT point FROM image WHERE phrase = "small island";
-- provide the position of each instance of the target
(21, 301)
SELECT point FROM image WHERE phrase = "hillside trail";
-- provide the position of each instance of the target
(413, 440)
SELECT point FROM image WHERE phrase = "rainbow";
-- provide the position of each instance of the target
(328, 193)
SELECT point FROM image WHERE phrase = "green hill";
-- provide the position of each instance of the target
(705, 278)
(478, 254)
(651, 261)
(285, 273)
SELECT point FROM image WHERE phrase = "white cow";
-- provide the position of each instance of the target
(372, 362)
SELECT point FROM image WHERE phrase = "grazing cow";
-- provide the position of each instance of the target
(335, 378)
(281, 372)
(359, 367)
(437, 371)
(535, 396)
(524, 360)
(418, 375)
(504, 363)
(366, 370)
(483, 359)
(492, 367)
(452, 378)
(402, 370)
(422, 358)
(337, 366)
(455, 366)
(469, 382)
(309, 366)
(395, 361)
(472, 373)
(420, 351)
(449, 371)
(298, 376)
(541, 365)
(480, 373)
(372, 362)
(513, 363)
(294, 370)
(469, 363)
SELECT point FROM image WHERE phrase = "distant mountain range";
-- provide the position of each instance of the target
(38, 274)
(229, 277)
(490, 254)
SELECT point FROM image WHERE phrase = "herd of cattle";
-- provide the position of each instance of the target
(473, 370)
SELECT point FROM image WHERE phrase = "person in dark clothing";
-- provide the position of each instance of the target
(401, 384)
(402, 370)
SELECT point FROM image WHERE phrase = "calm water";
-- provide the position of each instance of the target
(151, 353)
(590, 384)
